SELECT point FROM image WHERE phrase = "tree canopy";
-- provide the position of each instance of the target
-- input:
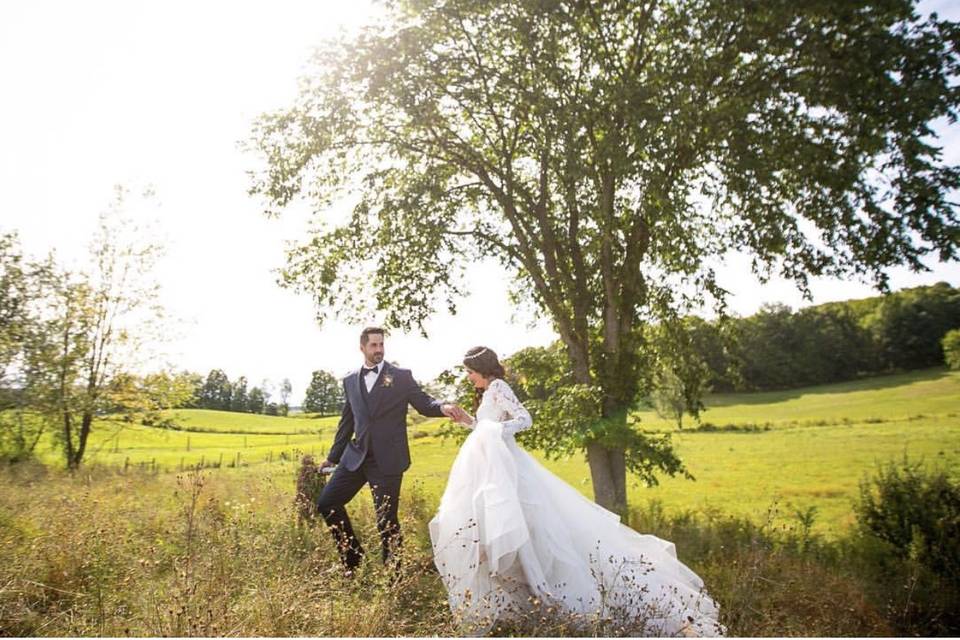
(610, 154)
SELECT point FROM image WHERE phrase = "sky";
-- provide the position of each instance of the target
(159, 95)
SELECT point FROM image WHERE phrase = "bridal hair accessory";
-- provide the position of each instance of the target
(476, 355)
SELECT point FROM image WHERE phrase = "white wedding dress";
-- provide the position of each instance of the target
(510, 537)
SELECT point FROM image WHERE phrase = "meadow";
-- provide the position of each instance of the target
(131, 545)
(757, 455)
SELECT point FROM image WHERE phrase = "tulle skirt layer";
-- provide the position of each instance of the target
(510, 537)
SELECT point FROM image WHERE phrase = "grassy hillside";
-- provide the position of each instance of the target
(220, 552)
(781, 452)
(233, 422)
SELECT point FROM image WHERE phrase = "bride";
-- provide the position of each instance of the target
(511, 538)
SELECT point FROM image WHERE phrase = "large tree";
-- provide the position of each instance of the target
(610, 153)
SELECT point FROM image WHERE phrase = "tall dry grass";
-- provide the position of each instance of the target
(223, 553)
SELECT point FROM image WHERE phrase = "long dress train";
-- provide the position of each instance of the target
(510, 537)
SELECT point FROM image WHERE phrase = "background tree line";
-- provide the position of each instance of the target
(219, 393)
(775, 348)
(324, 394)
(778, 348)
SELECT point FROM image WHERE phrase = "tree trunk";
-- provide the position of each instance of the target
(608, 471)
(85, 426)
(68, 440)
(607, 466)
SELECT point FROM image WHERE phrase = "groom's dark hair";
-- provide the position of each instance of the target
(365, 334)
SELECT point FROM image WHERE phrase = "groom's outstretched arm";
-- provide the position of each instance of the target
(344, 430)
(422, 402)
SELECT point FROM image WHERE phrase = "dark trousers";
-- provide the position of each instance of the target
(341, 488)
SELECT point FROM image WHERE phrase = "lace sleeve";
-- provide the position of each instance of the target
(505, 400)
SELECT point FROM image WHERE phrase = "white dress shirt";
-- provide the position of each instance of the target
(370, 378)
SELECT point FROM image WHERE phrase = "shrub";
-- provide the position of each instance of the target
(951, 348)
(917, 512)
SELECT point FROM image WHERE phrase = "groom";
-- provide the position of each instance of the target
(371, 446)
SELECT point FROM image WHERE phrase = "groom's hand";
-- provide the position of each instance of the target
(450, 410)
(457, 414)
(326, 464)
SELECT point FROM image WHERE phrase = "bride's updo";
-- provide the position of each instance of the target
(485, 362)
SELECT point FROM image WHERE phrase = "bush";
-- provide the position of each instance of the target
(951, 348)
(917, 512)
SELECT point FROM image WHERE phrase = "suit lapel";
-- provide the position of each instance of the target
(361, 403)
(377, 391)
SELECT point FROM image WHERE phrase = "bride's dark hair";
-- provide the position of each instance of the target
(485, 362)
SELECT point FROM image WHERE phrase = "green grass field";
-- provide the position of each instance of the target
(776, 452)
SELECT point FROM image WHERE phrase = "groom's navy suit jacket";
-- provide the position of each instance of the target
(376, 422)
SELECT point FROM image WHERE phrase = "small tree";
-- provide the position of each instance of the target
(916, 511)
(669, 397)
(238, 396)
(324, 394)
(681, 375)
(951, 348)
(24, 286)
(217, 391)
(104, 318)
(164, 391)
(267, 388)
(286, 388)
(256, 401)
(195, 382)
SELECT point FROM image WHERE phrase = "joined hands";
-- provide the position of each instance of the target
(457, 414)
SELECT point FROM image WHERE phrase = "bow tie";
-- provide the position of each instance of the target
(364, 371)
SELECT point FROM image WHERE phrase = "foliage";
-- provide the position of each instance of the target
(80, 333)
(24, 312)
(607, 153)
(568, 416)
(324, 394)
(777, 348)
(286, 388)
(680, 377)
(907, 327)
(239, 401)
(217, 391)
(951, 348)
(669, 397)
(917, 512)
(146, 397)
(256, 403)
